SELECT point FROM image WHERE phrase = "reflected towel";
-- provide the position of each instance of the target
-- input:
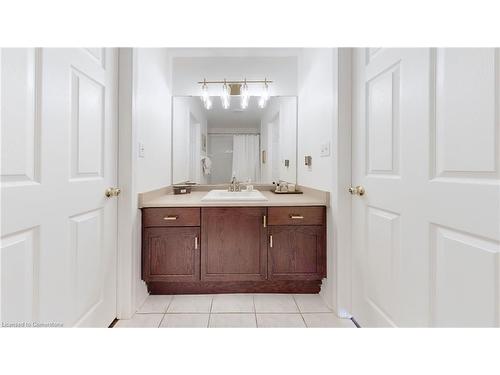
(206, 165)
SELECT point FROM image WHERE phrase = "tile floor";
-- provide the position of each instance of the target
(235, 311)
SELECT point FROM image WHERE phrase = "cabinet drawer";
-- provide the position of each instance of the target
(296, 215)
(171, 217)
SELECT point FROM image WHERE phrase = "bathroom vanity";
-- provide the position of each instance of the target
(194, 246)
(230, 239)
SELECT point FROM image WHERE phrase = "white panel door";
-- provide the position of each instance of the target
(59, 149)
(426, 142)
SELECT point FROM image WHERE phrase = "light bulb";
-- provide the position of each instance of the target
(264, 96)
(225, 96)
(244, 95)
(265, 92)
(225, 102)
(262, 102)
(204, 92)
(208, 103)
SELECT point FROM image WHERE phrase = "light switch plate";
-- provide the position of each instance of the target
(141, 150)
(325, 149)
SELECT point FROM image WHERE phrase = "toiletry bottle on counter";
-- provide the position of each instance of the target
(249, 185)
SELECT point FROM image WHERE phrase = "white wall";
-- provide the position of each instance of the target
(152, 109)
(152, 119)
(315, 114)
(317, 119)
(144, 116)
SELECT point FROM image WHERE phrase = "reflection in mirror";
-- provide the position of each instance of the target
(254, 144)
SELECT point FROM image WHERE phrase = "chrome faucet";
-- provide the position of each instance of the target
(234, 185)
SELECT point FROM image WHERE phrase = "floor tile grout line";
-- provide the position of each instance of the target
(300, 311)
(169, 303)
(302, 316)
(210, 312)
(255, 311)
(166, 309)
(161, 321)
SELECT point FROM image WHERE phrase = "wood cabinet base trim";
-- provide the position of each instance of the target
(207, 287)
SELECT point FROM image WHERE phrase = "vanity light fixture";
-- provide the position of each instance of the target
(226, 92)
(208, 103)
(234, 88)
(245, 97)
(204, 91)
(205, 96)
(265, 95)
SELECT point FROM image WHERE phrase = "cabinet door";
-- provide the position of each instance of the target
(171, 254)
(297, 252)
(233, 244)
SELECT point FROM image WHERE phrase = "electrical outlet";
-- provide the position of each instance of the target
(141, 150)
(325, 149)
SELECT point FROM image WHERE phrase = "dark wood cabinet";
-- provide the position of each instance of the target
(171, 254)
(296, 253)
(233, 245)
(233, 249)
(171, 217)
(297, 215)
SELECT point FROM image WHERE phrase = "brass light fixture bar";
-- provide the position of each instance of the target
(234, 82)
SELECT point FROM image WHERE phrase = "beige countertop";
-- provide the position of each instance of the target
(165, 198)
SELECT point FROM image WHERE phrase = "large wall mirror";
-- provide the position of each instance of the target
(253, 144)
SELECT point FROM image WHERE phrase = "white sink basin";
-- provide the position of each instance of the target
(227, 196)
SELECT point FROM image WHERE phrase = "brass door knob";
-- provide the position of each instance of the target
(358, 190)
(112, 192)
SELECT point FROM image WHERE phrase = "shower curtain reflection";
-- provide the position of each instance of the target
(246, 157)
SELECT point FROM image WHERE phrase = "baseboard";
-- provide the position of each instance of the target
(266, 286)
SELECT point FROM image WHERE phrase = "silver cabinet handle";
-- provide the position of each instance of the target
(196, 243)
(264, 221)
(296, 216)
(270, 240)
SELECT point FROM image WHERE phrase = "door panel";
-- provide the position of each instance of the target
(171, 254)
(59, 135)
(19, 272)
(425, 147)
(466, 122)
(465, 269)
(233, 244)
(297, 253)
(20, 77)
